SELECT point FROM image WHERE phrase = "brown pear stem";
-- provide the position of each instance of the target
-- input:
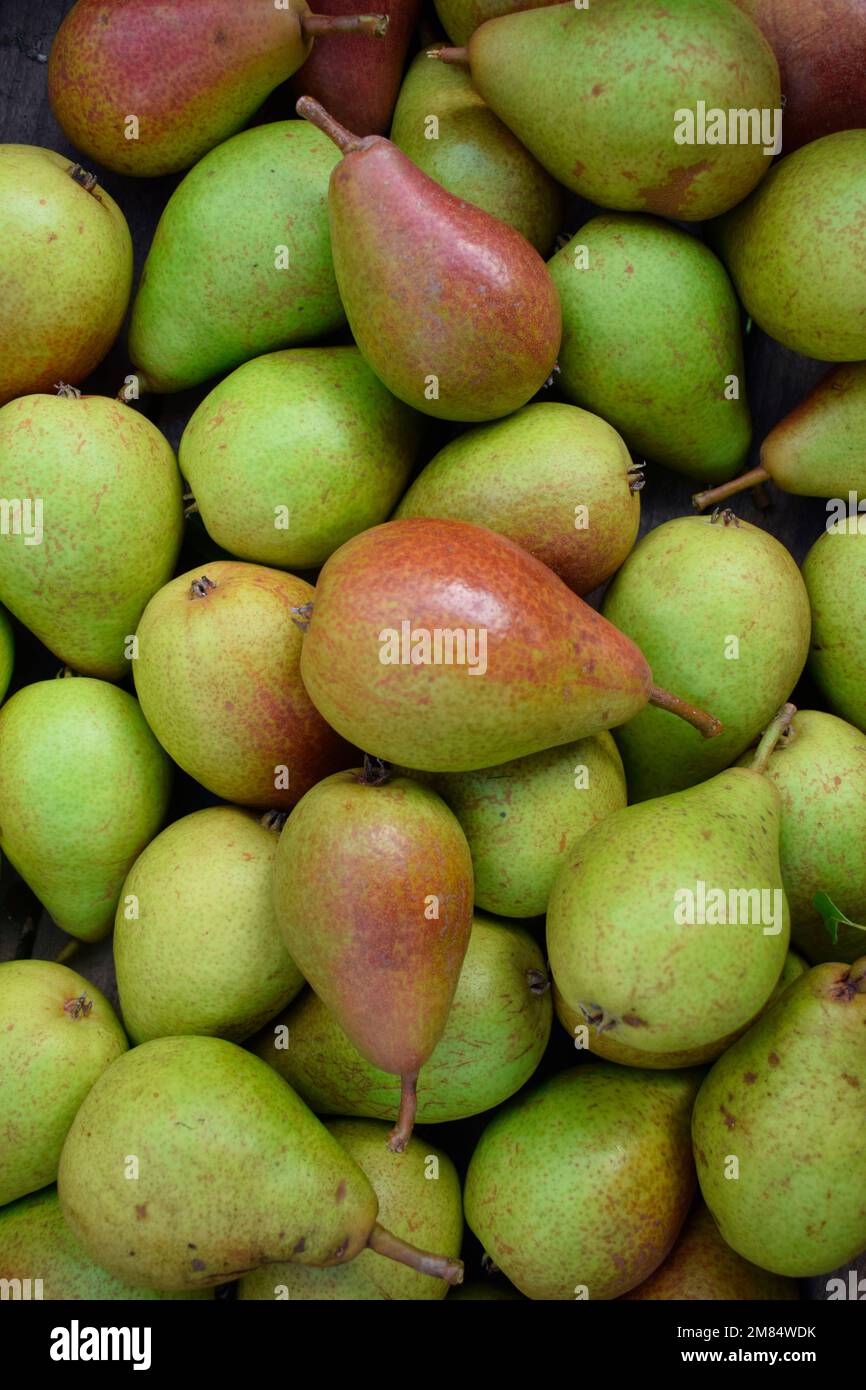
(402, 1131)
(706, 724)
(771, 736)
(312, 111)
(375, 24)
(714, 495)
(393, 1248)
(459, 57)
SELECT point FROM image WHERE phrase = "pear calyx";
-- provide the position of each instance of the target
(706, 724)
(385, 1243)
(200, 588)
(713, 495)
(274, 820)
(67, 392)
(374, 24)
(374, 772)
(81, 176)
(78, 1007)
(315, 113)
(851, 982)
(402, 1131)
(538, 981)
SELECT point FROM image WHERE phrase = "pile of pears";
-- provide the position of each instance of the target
(456, 869)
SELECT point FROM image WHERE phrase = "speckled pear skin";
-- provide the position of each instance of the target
(585, 1180)
(7, 652)
(475, 156)
(460, 18)
(685, 591)
(702, 1266)
(35, 1242)
(218, 680)
(212, 292)
(788, 1101)
(57, 738)
(233, 1171)
(494, 1038)
(526, 476)
(56, 236)
(310, 429)
(612, 76)
(556, 671)
(424, 1210)
(95, 463)
(356, 79)
(836, 565)
(59, 1033)
(819, 449)
(651, 337)
(203, 953)
(794, 249)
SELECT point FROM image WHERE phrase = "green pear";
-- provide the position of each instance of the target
(218, 679)
(835, 575)
(472, 154)
(295, 452)
(792, 252)
(419, 1200)
(58, 1035)
(196, 943)
(493, 1040)
(81, 578)
(460, 18)
(65, 270)
(223, 1169)
(721, 613)
(651, 341)
(241, 259)
(701, 1266)
(7, 652)
(779, 1128)
(37, 1245)
(84, 786)
(554, 479)
(580, 1186)
(795, 966)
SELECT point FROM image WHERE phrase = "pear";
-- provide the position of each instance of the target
(355, 79)
(58, 1035)
(779, 1128)
(295, 452)
(556, 480)
(790, 250)
(119, 99)
(471, 153)
(453, 310)
(701, 1266)
(836, 567)
(223, 1170)
(84, 786)
(373, 896)
(218, 680)
(81, 578)
(419, 1200)
(443, 647)
(580, 1186)
(608, 98)
(721, 612)
(460, 19)
(60, 233)
(7, 652)
(196, 943)
(240, 262)
(651, 341)
(37, 1245)
(494, 1038)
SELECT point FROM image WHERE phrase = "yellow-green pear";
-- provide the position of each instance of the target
(835, 575)
(701, 1267)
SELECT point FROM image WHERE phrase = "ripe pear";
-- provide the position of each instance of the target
(223, 1170)
(373, 896)
(472, 154)
(779, 1128)
(189, 76)
(605, 96)
(460, 18)
(240, 262)
(58, 1035)
(355, 79)
(721, 612)
(7, 652)
(295, 452)
(84, 786)
(419, 1200)
(701, 1266)
(835, 574)
(218, 680)
(494, 1038)
(580, 1186)
(651, 341)
(556, 480)
(441, 646)
(793, 256)
(65, 270)
(453, 310)
(81, 579)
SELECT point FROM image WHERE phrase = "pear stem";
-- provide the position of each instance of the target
(315, 113)
(67, 952)
(402, 1131)
(714, 495)
(375, 24)
(385, 1243)
(771, 736)
(459, 57)
(706, 724)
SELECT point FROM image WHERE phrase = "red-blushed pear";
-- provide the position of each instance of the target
(442, 646)
(373, 894)
(702, 1266)
(356, 80)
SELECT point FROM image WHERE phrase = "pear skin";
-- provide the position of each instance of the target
(836, 566)
(460, 18)
(7, 652)
(701, 1266)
